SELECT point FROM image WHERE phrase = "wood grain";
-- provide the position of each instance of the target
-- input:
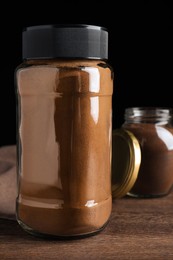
(138, 229)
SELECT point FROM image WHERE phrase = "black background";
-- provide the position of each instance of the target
(140, 50)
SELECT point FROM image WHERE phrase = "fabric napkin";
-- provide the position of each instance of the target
(8, 181)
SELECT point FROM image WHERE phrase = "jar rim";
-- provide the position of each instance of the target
(149, 109)
(148, 112)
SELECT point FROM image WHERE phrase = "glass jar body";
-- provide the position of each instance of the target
(154, 131)
(64, 146)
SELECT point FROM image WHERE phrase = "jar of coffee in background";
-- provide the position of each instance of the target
(153, 129)
(64, 93)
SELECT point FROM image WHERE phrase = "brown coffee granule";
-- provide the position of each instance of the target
(65, 137)
(155, 176)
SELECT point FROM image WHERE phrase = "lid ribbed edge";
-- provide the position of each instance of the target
(65, 41)
(126, 159)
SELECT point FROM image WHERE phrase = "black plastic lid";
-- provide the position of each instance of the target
(65, 41)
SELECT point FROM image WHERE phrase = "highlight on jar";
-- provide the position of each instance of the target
(142, 153)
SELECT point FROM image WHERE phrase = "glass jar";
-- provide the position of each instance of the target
(64, 92)
(154, 131)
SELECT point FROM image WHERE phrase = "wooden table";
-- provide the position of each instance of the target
(138, 229)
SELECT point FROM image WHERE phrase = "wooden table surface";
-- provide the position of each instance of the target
(138, 229)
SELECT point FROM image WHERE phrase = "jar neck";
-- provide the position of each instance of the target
(151, 115)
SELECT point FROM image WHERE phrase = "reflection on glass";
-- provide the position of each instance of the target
(94, 101)
(165, 136)
(94, 79)
(91, 203)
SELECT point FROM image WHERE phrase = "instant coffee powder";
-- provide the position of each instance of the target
(64, 93)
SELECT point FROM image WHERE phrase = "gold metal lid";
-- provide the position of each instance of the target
(126, 159)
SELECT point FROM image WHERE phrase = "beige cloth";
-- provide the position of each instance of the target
(8, 181)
